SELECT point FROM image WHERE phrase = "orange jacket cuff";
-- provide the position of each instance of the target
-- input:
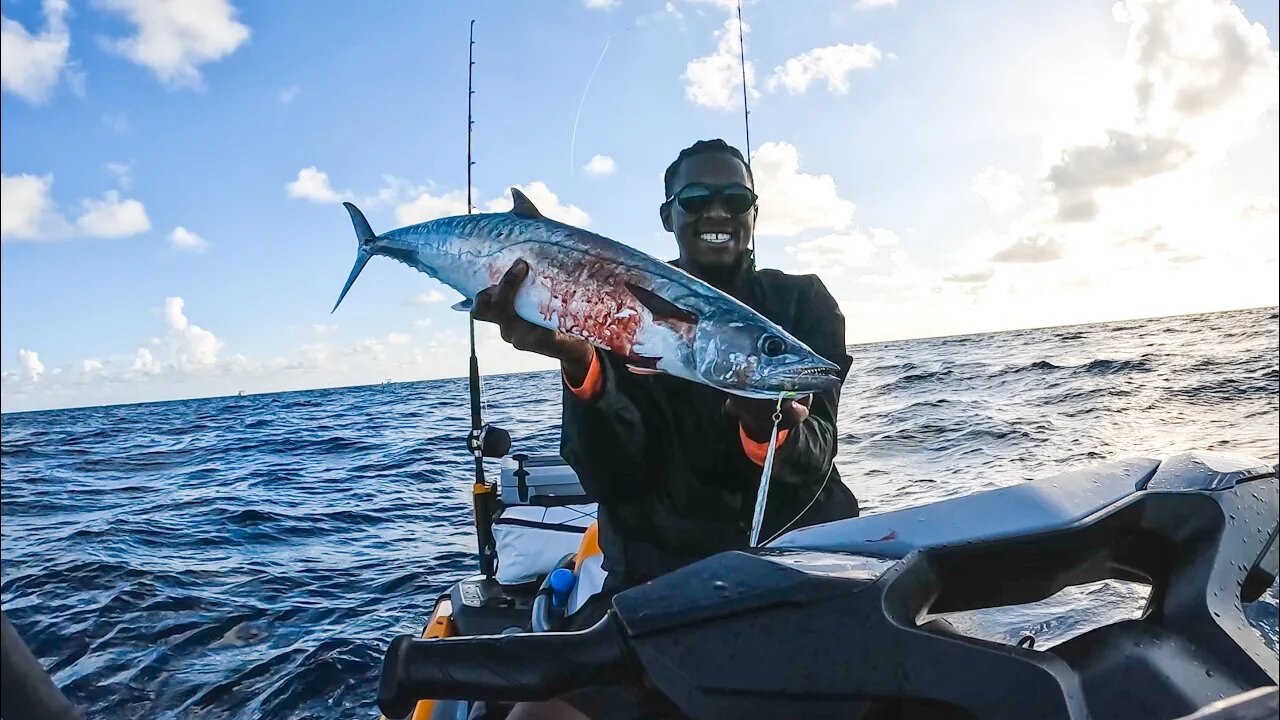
(757, 451)
(592, 383)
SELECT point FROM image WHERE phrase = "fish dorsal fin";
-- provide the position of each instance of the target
(523, 207)
(661, 308)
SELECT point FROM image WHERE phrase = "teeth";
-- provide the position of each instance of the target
(715, 237)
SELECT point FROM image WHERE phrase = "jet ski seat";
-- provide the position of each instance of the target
(1048, 505)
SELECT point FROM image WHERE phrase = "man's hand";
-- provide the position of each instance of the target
(756, 415)
(496, 304)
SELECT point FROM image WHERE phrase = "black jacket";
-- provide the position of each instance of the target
(665, 461)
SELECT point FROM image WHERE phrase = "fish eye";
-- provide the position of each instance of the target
(772, 345)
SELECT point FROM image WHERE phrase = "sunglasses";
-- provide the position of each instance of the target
(695, 198)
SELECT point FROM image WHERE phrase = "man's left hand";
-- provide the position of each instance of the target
(756, 415)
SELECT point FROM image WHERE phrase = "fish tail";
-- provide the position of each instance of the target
(365, 238)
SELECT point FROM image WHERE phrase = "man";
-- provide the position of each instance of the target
(675, 465)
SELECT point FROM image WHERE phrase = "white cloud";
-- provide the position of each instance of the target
(426, 207)
(122, 172)
(312, 184)
(873, 4)
(77, 79)
(727, 5)
(1201, 76)
(176, 37)
(715, 81)
(1124, 159)
(547, 203)
(792, 202)
(369, 347)
(398, 338)
(91, 366)
(422, 323)
(173, 315)
(1140, 238)
(27, 210)
(600, 4)
(999, 189)
(970, 277)
(834, 64)
(1198, 62)
(288, 95)
(413, 203)
(117, 123)
(830, 255)
(1139, 199)
(191, 345)
(144, 363)
(183, 239)
(600, 165)
(112, 217)
(31, 365)
(1036, 248)
(322, 329)
(429, 297)
(29, 213)
(1262, 208)
(31, 64)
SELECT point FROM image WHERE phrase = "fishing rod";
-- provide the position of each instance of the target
(483, 440)
(766, 472)
(746, 111)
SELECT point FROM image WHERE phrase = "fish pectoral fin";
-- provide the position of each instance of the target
(662, 309)
(463, 305)
(523, 207)
(643, 365)
(638, 370)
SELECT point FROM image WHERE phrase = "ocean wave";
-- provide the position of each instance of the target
(1100, 366)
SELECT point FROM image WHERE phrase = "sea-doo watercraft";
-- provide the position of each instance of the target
(840, 620)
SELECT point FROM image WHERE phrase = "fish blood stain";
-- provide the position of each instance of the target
(592, 302)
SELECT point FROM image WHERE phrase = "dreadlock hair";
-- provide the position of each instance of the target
(703, 147)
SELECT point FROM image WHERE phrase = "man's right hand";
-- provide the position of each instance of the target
(496, 304)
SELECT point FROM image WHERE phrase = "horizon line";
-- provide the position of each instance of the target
(526, 372)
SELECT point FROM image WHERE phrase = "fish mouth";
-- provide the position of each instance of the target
(816, 372)
(809, 377)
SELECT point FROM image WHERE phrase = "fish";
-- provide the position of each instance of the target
(657, 317)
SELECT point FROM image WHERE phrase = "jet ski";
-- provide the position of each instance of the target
(843, 620)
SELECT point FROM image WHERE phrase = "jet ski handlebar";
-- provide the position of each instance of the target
(502, 668)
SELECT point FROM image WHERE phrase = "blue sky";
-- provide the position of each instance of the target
(172, 170)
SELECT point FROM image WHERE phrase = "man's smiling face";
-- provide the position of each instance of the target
(715, 237)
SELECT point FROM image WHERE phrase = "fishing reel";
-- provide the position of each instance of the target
(489, 441)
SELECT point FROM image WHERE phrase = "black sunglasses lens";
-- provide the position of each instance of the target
(738, 200)
(694, 199)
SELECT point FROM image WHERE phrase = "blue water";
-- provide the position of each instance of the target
(250, 557)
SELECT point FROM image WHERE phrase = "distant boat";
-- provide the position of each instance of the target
(240, 394)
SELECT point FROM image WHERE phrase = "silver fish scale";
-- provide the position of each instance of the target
(484, 236)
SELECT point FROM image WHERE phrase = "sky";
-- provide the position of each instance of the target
(173, 170)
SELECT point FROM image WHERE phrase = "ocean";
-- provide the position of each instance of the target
(250, 557)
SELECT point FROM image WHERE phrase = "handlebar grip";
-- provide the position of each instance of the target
(501, 668)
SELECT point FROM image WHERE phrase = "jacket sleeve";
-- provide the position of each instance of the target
(603, 434)
(808, 451)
